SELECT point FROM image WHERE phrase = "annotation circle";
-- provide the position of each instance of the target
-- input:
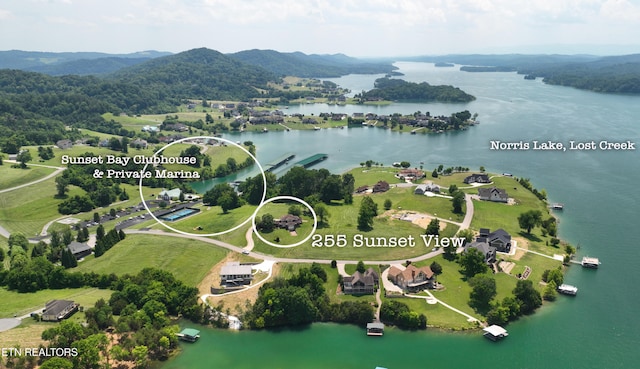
(264, 186)
(313, 229)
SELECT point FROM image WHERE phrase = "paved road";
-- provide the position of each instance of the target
(57, 171)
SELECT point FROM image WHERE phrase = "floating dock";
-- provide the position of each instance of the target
(284, 159)
(589, 262)
(312, 160)
(495, 333)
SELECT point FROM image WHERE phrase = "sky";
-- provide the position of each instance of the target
(360, 28)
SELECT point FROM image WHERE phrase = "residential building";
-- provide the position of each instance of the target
(426, 187)
(381, 186)
(493, 194)
(289, 222)
(234, 273)
(410, 174)
(477, 178)
(412, 278)
(79, 250)
(56, 310)
(499, 239)
(361, 283)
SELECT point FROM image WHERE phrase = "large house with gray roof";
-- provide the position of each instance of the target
(234, 274)
(361, 283)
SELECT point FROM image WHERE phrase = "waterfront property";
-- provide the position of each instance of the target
(375, 329)
(477, 178)
(289, 222)
(426, 187)
(234, 274)
(57, 310)
(361, 283)
(412, 278)
(495, 332)
(189, 335)
(381, 186)
(499, 239)
(493, 194)
(410, 174)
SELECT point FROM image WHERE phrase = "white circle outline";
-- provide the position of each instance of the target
(264, 191)
(313, 230)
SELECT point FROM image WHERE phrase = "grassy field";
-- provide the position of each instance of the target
(369, 176)
(188, 260)
(211, 219)
(11, 177)
(14, 303)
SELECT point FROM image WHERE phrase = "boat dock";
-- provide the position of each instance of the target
(557, 206)
(495, 332)
(311, 160)
(375, 329)
(589, 262)
(189, 335)
(284, 159)
(567, 289)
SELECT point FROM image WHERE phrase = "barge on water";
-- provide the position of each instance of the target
(495, 332)
(567, 289)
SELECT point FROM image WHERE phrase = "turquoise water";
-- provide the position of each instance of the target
(596, 329)
(179, 214)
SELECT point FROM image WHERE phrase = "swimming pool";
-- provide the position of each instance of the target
(179, 214)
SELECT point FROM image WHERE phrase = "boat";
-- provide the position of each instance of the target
(567, 289)
(589, 262)
(495, 332)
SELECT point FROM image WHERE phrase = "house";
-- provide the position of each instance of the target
(426, 187)
(56, 310)
(362, 189)
(139, 143)
(381, 186)
(168, 195)
(499, 239)
(361, 283)
(412, 278)
(289, 222)
(64, 144)
(410, 174)
(493, 194)
(234, 273)
(477, 178)
(487, 250)
(79, 250)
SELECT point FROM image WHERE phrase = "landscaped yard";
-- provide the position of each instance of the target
(187, 259)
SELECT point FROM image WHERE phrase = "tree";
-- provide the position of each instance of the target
(100, 232)
(436, 268)
(472, 263)
(457, 202)
(453, 189)
(368, 210)
(57, 363)
(528, 220)
(387, 204)
(434, 174)
(331, 189)
(96, 217)
(483, 291)
(266, 223)
(405, 164)
(360, 267)
(321, 212)
(23, 158)
(550, 292)
(18, 240)
(433, 228)
(226, 202)
(62, 186)
(528, 297)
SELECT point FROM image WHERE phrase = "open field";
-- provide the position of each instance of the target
(14, 303)
(369, 176)
(187, 259)
(211, 219)
(11, 177)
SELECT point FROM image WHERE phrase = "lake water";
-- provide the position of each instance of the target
(599, 328)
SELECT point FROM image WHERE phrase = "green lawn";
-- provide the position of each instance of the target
(211, 219)
(11, 177)
(14, 303)
(187, 259)
(369, 176)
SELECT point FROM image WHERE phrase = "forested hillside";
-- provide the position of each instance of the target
(400, 90)
(302, 65)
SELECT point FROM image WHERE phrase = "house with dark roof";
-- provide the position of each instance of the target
(361, 283)
(493, 194)
(499, 239)
(64, 144)
(56, 310)
(477, 178)
(234, 274)
(381, 186)
(487, 250)
(289, 222)
(79, 250)
(412, 278)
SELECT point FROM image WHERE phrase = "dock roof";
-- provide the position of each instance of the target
(495, 330)
(190, 332)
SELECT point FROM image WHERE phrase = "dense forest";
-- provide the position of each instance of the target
(317, 66)
(400, 90)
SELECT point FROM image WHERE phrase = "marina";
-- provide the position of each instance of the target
(277, 163)
(312, 160)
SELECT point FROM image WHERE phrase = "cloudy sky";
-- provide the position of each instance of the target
(353, 27)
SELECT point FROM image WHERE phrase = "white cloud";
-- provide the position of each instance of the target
(621, 10)
(5, 14)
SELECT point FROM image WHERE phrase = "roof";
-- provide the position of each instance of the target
(171, 193)
(55, 307)
(190, 332)
(234, 268)
(483, 247)
(487, 192)
(78, 248)
(375, 326)
(496, 330)
(501, 235)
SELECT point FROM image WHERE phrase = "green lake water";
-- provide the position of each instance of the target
(599, 328)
